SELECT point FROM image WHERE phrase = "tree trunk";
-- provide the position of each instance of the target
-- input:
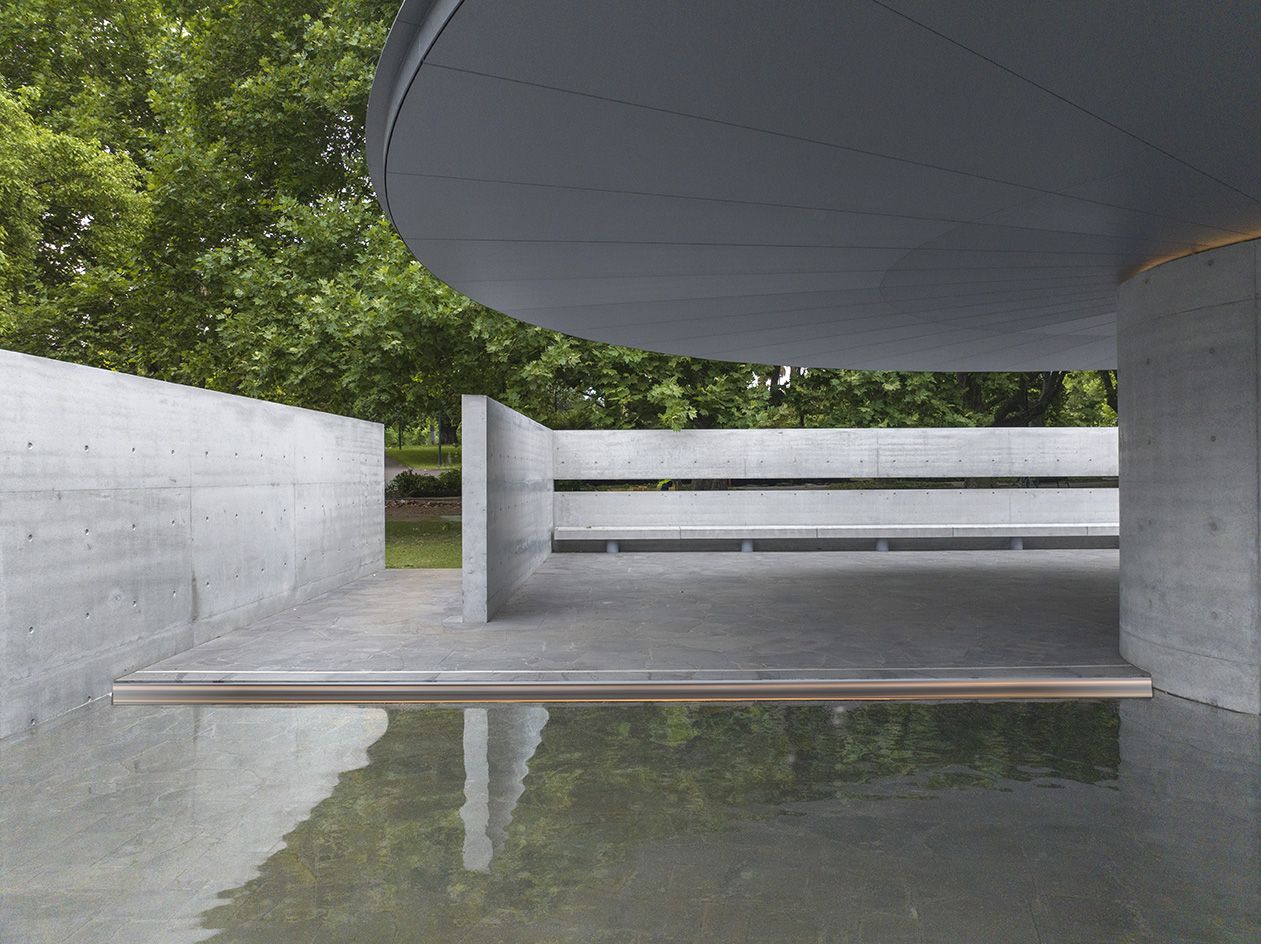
(1018, 411)
(1109, 387)
(446, 431)
(775, 394)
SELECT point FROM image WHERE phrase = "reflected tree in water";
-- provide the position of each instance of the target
(512, 823)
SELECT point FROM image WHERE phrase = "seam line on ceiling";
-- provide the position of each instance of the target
(996, 320)
(876, 346)
(877, 291)
(701, 275)
(885, 319)
(957, 221)
(1075, 311)
(1060, 98)
(814, 141)
(648, 242)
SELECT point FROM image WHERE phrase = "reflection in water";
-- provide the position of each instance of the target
(125, 824)
(885, 822)
(495, 765)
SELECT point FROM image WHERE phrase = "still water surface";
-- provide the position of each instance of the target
(1011, 822)
(1088, 821)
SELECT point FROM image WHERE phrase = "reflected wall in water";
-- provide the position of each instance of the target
(495, 764)
(125, 824)
(1191, 802)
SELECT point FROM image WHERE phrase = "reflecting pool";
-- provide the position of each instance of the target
(1086, 821)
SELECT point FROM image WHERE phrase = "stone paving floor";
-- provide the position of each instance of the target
(836, 612)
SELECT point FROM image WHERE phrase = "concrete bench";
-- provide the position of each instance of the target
(880, 533)
(876, 515)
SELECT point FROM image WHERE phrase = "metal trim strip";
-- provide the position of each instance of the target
(696, 690)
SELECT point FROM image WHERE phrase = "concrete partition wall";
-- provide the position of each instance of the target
(1188, 335)
(1068, 452)
(1063, 516)
(139, 518)
(507, 499)
(1001, 511)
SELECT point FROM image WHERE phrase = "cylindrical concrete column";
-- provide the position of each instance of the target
(1189, 370)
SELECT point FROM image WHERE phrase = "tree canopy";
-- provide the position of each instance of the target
(183, 195)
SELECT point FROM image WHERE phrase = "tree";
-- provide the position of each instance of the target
(85, 66)
(892, 398)
(71, 214)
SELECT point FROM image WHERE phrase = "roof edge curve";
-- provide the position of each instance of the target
(417, 26)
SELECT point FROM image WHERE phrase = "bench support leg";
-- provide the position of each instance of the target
(610, 547)
(882, 544)
(746, 546)
(1017, 544)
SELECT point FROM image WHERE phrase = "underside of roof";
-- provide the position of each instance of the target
(883, 184)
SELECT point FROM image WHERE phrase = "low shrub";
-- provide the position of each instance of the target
(411, 484)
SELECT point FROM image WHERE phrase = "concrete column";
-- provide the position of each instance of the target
(1187, 338)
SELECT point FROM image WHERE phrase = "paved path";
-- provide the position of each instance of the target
(392, 468)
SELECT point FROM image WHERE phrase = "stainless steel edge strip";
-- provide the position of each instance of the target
(361, 692)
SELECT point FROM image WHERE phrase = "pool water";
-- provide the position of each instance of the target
(1085, 821)
(1134, 821)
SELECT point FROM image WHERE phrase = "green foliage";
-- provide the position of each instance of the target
(183, 195)
(85, 67)
(424, 456)
(418, 485)
(70, 216)
(891, 398)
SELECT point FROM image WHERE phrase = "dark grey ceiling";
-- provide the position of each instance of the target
(892, 184)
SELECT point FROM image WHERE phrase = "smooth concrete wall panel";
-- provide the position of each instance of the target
(474, 507)
(507, 507)
(586, 455)
(821, 508)
(138, 518)
(997, 452)
(1190, 476)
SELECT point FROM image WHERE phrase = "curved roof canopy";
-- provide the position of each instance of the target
(892, 184)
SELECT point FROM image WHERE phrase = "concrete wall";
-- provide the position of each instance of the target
(507, 499)
(139, 518)
(823, 507)
(835, 453)
(1191, 475)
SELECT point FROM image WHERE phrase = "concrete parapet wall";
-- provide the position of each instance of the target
(507, 503)
(819, 508)
(589, 455)
(140, 518)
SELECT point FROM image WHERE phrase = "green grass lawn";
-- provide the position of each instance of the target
(433, 543)
(425, 457)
